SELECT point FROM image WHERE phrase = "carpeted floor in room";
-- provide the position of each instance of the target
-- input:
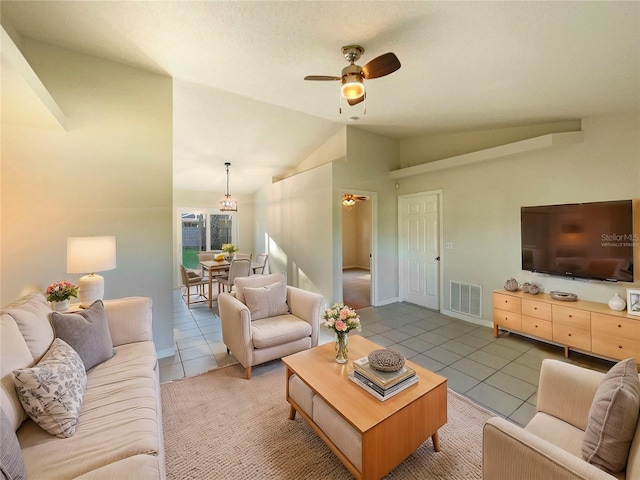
(220, 426)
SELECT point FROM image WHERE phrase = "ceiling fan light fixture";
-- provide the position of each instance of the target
(228, 204)
(348, 200)
(352, 86)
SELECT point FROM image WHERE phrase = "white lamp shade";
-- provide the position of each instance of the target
(91, 254)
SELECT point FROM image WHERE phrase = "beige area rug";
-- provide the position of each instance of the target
(220, 426)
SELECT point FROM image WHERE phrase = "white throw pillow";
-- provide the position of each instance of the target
(267, 301)
(51, 392)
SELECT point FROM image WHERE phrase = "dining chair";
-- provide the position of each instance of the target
(261, 262)
(192, 279)
(240, 256)
(207, 257)
(238, 268)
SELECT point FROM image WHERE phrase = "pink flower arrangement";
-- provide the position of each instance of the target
(341, 319)
(62, 290)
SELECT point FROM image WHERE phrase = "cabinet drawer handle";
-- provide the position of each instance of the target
(535, 308)
(619, 346)
(619, 326)
(569, 334)
(570, 316)
(536, 326)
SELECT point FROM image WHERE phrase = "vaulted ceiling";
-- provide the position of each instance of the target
(238, 69)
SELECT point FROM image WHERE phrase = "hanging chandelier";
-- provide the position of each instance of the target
(228, 204)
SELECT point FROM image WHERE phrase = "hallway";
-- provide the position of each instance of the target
(356, 288)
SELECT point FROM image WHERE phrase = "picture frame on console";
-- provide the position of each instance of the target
(633, 302)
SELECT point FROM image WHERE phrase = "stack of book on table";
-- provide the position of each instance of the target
(381, 385)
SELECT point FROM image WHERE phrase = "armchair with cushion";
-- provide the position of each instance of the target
(267, 319)
(585, 428)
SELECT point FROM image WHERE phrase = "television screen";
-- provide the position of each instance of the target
(584, 240)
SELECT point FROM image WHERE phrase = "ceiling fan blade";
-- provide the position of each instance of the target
(321, 77)
(356, 101)
(381, 66)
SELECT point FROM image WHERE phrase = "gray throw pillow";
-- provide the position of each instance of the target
(267, 301)
(612, 418)
(11, 461)
(87, 332)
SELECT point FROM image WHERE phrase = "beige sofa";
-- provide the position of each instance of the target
(119, 431)
(550, 446)
(258, 328)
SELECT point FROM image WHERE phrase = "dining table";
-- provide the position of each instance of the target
(218, 267)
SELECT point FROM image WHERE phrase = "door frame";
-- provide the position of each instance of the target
(373, 248)
(401, 252)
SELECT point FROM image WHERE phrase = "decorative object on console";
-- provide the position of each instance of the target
(341, 319)
(228, 204)
(511, 285)
(617, 303)
(530, 288)
(90, 255)
(386, 360)
(633, 302)
(59, 293)
(563, 296)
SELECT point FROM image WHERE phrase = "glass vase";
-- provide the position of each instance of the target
(342, 347)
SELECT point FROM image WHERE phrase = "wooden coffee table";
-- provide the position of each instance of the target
(392, 429)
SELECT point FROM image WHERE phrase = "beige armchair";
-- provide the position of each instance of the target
(550, 446)
(294, 326)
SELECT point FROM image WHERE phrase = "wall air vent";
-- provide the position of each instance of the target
(465, 298)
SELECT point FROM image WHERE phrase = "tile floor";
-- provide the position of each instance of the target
(499, 373)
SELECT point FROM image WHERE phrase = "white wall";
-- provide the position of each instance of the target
(108, 173)
(370, 158)
(349, 237)
(356, 235)
(294, 224)
(481, 202)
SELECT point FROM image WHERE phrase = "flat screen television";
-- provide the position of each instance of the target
(580, 240)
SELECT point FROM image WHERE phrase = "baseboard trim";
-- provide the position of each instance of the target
(388, 301)
(167, 352)
(466, 318)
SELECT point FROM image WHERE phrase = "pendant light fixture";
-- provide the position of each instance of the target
(228, 204)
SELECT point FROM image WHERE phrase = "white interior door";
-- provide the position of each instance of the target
(419, 252)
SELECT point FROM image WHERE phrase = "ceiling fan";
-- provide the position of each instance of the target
(353, 75)
(349, 200)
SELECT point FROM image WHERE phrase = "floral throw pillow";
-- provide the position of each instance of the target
(51, 391)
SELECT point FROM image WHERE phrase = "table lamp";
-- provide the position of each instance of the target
(90, 255)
